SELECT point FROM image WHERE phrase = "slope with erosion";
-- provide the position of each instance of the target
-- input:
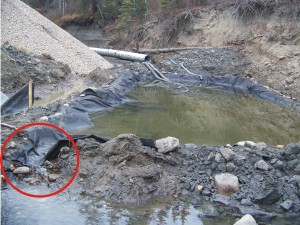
(269, 38)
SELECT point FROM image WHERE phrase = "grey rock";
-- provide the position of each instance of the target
(294, 179)
(226, 183)
(246, 202)
(287, 204)
(273, 161)
(267, 197)
(278, 165)
(218, 157)
(246, 220)
(239, 160)
(262, 165)
(230, 167)
(227, 153)
(222, 167)
(167, 144)
(261, 146)
(297, 170)
(210, 212)
(223, 199)
(211, 157)
(206, 192)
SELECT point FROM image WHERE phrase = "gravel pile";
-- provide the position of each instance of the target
(25, 28)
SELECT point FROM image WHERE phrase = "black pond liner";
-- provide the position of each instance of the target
(18, 102)
(46, 142)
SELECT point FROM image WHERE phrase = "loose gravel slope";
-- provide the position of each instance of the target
(25, 28)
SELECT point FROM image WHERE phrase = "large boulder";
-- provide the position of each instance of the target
(226, 183)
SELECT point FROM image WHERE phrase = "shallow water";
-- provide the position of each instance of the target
(201, 116)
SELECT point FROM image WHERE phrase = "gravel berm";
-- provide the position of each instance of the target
(25, 28)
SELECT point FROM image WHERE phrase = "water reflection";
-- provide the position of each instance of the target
(201, 116)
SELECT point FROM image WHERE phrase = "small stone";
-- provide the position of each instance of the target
(227, 153)
(48, 79)
(287, 204)
(12, 144)
(64, 156)
(228, 146)
(262, 165)
(82, 95)
(261, 146)
(281, 57)
(246, 220)
(58, 114)
(206, 192)
(218, 157)
(250, 144)
(211, 157)
(44, 119)
(22, 170)
(230, 167)
(279, 165)
(246, 202)
(297, 170)
(290, 80)
(200, 187)
(167, 144)
(53, 177)
(273, 161)
(65, 149)
(226, 183)
(280, 146)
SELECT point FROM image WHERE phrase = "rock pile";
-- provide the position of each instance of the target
(123, 170)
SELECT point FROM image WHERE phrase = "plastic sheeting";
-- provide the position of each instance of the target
(235, 85)
(18, 102)
(45, 142)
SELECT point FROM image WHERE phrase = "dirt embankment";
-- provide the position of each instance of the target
(267, 33)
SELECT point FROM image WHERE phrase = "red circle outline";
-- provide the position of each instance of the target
(40, 124)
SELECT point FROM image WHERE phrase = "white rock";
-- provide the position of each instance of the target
(226, 183)
(58, 114)
(44, 119)
(167, 144)
(262, 165)
(250, 144)
(22, 170)
(12, 144)
(241, 143)
(246, 220)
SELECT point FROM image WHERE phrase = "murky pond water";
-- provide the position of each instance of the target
(200, 116)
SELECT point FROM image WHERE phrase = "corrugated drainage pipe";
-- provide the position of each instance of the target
(132, 56)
